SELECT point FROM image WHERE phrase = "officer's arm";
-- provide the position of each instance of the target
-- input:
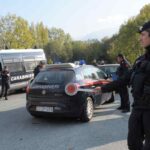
(8, 73)
(110, 87)
(113, 86)
(147, 68)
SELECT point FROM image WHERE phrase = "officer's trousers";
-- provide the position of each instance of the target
(124, 96)
(4, 89)
(139, 130)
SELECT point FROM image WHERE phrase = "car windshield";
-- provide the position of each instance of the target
(109, 69)
(54, 77)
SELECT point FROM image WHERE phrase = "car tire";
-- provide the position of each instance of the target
(88, 109)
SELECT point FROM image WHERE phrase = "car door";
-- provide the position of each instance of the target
(102, 80)
(96, 82)
(91, 79)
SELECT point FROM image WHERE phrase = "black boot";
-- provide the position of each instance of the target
(1, 97)
(119, 108)
(125, 110)
(6, 98)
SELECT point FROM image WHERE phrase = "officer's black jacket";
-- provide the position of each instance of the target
(36, 70)
(5, 77)
(122, 69)
(139, 79)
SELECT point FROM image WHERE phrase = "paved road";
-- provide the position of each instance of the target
(20, 131)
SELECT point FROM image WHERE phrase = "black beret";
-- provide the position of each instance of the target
(145, 27)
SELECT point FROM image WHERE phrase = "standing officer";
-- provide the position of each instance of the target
(139, 77)
(5, 82)
(123, 90)
(38, 68)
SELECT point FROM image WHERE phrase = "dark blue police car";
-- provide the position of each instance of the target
(66, 90)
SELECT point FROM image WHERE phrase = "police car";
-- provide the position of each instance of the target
(67, 90)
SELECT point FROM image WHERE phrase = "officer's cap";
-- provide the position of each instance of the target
(145, 27)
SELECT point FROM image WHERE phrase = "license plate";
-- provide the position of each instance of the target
(44, 109)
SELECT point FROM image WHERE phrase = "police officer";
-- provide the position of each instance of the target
(139, 77)
(38, 68)
(123, 90)
(5, 82)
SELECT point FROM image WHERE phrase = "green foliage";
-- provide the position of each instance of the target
(41, 35)
(59, 47)
(79, 50)
(15, 32)
(127, 40)
(49, 61)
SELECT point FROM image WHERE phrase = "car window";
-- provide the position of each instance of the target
(90, 73)
(101, 74)
(94, 73)
(87, 73)
(54, 77)
(79, 77)
(109, 69)
(113, 68)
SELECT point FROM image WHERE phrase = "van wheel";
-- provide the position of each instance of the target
(88, 110)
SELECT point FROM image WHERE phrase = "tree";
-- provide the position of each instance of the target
(15, 32)
(79, 50)
(7, 25)
(59, 47)
(40, 34)
(127, 40)
(22, 37)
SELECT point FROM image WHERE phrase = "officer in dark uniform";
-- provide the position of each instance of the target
(123, 90)
(139, 77)
(38, 68)
(5, 82)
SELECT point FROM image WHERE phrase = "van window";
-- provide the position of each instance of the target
(14, 67)
(29, 66)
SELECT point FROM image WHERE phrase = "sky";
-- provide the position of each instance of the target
(80, 18)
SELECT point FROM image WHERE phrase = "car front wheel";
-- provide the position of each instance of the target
(88, 110)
